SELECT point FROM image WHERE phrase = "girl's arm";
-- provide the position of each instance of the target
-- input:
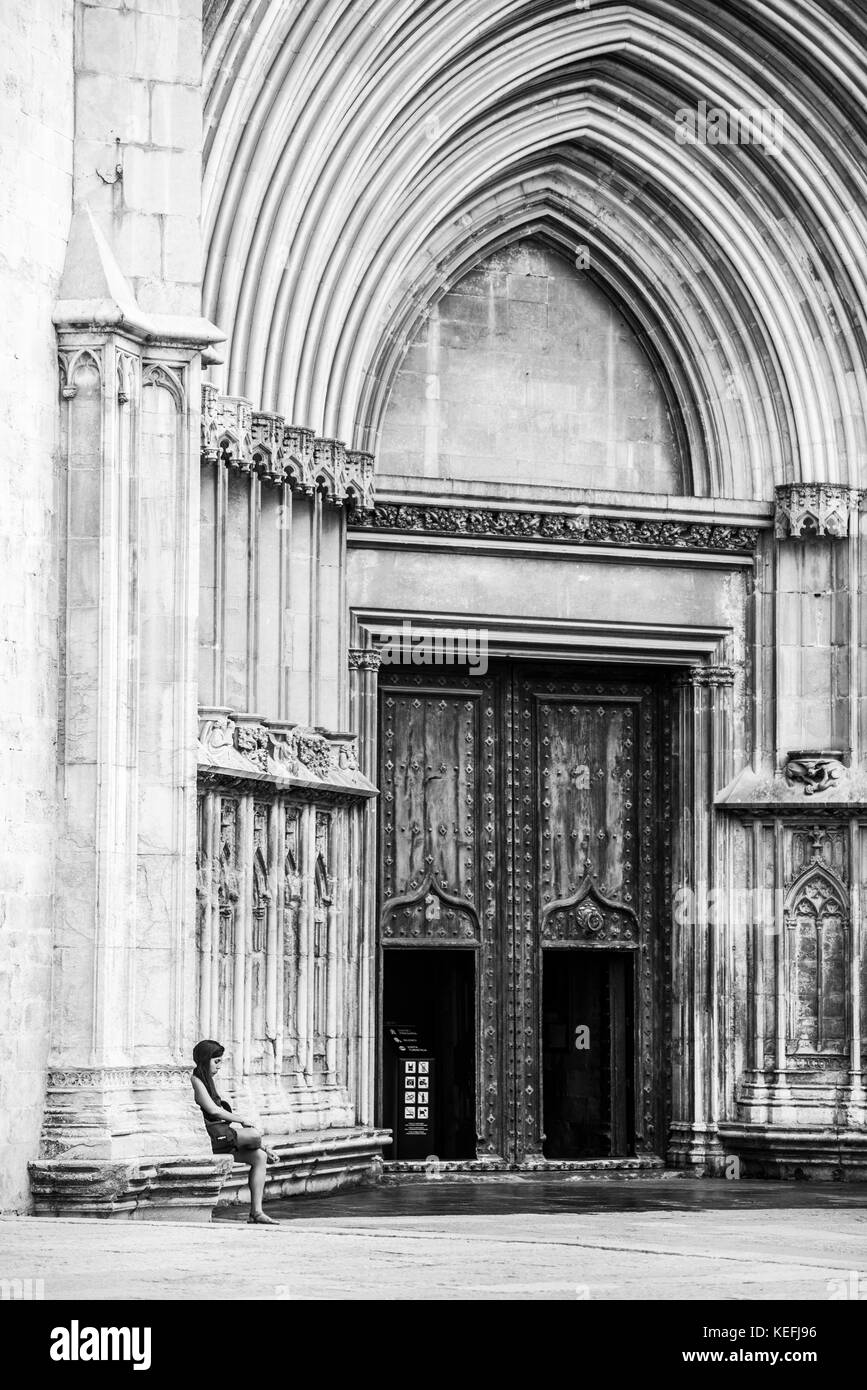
(213, 1112)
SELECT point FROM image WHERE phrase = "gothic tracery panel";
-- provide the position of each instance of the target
(817, 931)
(272, 965)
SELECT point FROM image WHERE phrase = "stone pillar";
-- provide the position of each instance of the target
(364, 666)
(702, 765)
(120, 1135)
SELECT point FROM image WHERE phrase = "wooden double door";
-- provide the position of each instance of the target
(523, 887)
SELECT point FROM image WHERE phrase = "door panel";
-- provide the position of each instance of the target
(439, 863)
(587, 873)
(519, 814)
(586, 1053)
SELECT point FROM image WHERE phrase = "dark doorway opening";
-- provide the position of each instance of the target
(434, 992)
(587, 1054)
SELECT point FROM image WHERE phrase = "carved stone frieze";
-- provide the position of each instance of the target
(237, 436)
(579, 527)
(811, 510)
(246, 746)
(118, 1078)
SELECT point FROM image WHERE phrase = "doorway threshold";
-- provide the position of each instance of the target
(481, 1170)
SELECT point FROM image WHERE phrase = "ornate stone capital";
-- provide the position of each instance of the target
(811, 510)
(364, 659)
(253, 441)
(698, 676)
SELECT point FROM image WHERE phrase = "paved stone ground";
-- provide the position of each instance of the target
(508, 1239)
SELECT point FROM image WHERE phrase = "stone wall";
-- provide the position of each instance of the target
(525, 371)
(138, 81)
(36, 183)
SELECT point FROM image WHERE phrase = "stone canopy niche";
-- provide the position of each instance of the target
(524, 371)
(800, 1105)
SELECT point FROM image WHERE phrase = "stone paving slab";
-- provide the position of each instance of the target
(754, 1252)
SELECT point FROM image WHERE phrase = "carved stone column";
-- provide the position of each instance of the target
(364, 666)
(702, 764)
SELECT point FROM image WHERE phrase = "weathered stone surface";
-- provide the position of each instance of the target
(589, 388)
(588, 1240)
(36, 115)
(568, 396)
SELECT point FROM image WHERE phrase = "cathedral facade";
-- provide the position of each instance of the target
(433, 566)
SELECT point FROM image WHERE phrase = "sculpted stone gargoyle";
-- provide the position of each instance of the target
(814, 771)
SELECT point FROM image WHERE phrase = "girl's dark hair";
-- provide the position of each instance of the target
(203, 1052)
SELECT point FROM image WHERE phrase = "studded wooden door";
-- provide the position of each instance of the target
(521, 812)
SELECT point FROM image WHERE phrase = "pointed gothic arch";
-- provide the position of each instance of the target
(341, 196)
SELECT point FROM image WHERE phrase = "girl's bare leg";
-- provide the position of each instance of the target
(258, 1166)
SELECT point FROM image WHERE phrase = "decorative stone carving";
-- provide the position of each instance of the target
(251, 741)
(245, 746)
(269, 454)
(814, 771)
(816, 917)
(811, 510)
(235, 435)
(345, 750)
(119, 1078)
(359, 478)
(576, 528)
(364, 659)
(314, 753)
(217, 746)
(226, 429)
(71, 362)
(283, 751)
(711, 675)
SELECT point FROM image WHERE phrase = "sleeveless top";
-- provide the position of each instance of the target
(218, 1100)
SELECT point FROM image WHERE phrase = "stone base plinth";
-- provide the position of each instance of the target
(179, 1189)
(696, 1149)
(314, 1162)
(831, 1154)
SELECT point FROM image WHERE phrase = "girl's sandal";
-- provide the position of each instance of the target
(260, 1219)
